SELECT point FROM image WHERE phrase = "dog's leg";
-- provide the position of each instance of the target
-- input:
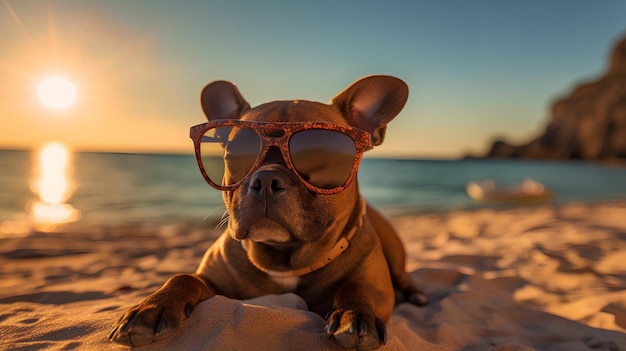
(362, 305)
(160, 314)
(395, 255)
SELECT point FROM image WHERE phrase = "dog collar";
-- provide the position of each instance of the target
(338, 249)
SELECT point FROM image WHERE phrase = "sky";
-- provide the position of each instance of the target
(477, 70)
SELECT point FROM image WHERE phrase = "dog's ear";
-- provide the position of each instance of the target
(372, 102)
(222, 100)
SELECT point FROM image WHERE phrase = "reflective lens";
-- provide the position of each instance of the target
(324, 158)
(229, 153)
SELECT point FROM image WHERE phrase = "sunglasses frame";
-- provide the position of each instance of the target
(267, 132)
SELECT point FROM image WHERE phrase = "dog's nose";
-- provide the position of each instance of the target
(268, 183)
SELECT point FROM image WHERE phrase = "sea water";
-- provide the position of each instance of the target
(114, 188)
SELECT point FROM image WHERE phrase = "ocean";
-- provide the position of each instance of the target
(114, 188)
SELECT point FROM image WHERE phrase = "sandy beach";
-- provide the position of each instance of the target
(538, 278)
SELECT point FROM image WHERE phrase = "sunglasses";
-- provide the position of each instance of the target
(324, 156)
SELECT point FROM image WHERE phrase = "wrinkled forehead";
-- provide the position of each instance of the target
(294, 111)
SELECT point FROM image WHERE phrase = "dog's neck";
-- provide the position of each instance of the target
(341, 246)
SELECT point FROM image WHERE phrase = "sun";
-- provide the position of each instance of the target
(57, 92)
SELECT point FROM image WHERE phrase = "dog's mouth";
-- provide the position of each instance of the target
(267, 231)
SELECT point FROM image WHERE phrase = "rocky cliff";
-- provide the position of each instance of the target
(589, 124)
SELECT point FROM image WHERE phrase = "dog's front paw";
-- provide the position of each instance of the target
(150, 321)
(356, 330)
(160, 314)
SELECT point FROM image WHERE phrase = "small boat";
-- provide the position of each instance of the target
(529, 191)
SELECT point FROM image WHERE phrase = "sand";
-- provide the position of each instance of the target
(534, 278)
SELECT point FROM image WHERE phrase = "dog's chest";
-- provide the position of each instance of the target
(288, 283)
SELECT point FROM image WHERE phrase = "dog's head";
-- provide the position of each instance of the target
(273, 206)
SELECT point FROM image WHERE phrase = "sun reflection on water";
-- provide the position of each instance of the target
(54, 186)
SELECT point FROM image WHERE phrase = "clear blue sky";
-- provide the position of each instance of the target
(476, 69)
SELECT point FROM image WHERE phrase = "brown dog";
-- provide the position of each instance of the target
(297, 220)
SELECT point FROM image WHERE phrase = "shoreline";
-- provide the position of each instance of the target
(22, 226)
